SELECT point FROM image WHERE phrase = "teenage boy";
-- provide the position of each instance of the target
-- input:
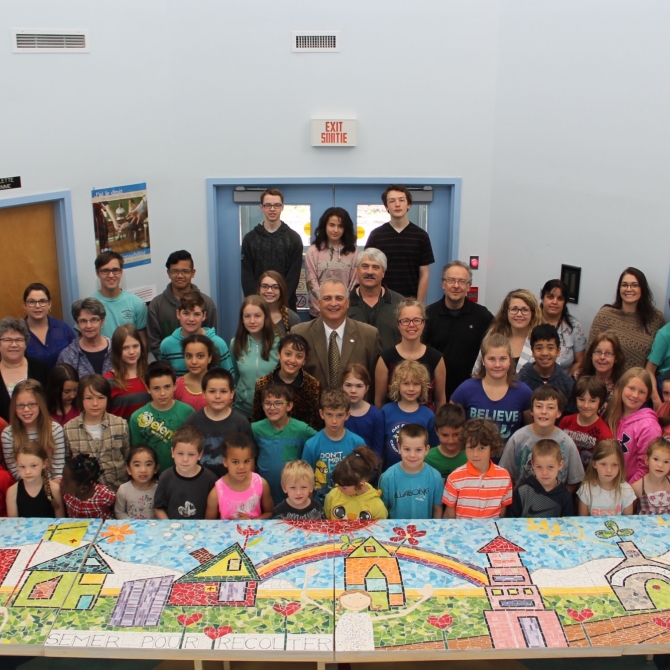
(162, 308)
(279, 437)
(412, 489)
(191, 315)
(218, 419)
(407, 247)
(547, 404)
(182, 490)
(154, 424)
(545, 344)
(272, 245)
(448, 455)
(297, 482)
(121, 306)
(330, 445)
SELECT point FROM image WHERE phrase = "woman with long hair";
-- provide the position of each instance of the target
(272, 287)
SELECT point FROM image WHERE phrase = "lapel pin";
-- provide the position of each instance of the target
(352, 341)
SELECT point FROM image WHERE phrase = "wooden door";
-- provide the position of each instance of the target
(29, 243)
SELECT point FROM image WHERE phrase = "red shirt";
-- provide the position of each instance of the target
(99, 506)
(585, 437)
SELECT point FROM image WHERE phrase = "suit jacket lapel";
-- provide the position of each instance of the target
(319, 344)
(349, 341)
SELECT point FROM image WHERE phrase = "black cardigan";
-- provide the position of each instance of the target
(36, 370)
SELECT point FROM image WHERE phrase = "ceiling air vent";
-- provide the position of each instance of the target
(321, 42)
(49, 41)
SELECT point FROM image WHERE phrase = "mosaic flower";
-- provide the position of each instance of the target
(117, 533)
(407, 535)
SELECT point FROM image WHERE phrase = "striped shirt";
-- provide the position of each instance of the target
(58, 454)
(125, 403)
(477, 495)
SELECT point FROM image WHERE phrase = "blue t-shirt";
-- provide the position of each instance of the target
(506, 413)
(394, 419)
(323, 454)
(411, 496)
(125, 308)
(370, 427)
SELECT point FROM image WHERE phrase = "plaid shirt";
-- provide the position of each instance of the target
(99, 506)
(111, 451)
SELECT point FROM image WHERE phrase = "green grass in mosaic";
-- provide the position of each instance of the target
(27, 625)
(604, 606)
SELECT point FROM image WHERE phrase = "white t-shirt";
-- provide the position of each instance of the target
(606, 503)
(94, 431)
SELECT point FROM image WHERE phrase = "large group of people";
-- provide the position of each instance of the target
(374, 405)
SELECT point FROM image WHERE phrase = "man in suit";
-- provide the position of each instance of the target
(336, 341)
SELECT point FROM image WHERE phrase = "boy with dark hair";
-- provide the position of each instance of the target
(448, 455)
(155, 424)
(218, 420)
(541, 495)
(547, 404)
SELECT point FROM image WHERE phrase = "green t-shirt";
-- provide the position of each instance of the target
(443, 464)
(150, 427)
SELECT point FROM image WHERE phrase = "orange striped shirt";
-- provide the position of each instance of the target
(476, 495)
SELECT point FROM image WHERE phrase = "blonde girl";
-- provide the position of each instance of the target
(653, 490)
(633, 424)
(34, 496)
(272, 287)
(408, 392)
(29, 421)
(365, 420)
(604, 491)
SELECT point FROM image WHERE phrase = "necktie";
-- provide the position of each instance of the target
(333, 361)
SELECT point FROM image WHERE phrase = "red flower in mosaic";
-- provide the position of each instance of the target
(286, 610)
(583, 615)
(215, 633)
(409, 535)
(189, 620)
(440, 622)
(117, 533)
(663, 623)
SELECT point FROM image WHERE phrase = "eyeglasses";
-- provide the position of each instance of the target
(450, 281)
(93, 321)
(519, 310)
(43, 302)
(12, 340)
(417, 321)
(113, 271)
(626, 285)
(269, 287)
(599, 353)
(269, 205)
(180, 273)
(277, 404)
(27, 405)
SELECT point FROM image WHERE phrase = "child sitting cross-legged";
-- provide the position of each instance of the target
(83, 496)
(353, 496)
(297, 482)
(448, 455)
(541, 495)
(412, 489)
(480, 489)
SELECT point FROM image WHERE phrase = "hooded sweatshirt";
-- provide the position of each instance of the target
(162, 317)
(280, 251)
(248, 369)
(367, 505)
(324, 264)
(558, 379)
(171, 351)
(635, 432)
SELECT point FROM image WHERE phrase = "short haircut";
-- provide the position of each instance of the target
(411, 431)
(106, 257)
(177, 256)
(99, 384)
(190, 300)
(334, 280)
(217, 373)
(189, 435)
(238, 441)
(547, 447)
(11, 323)
(548, 392)
(397, 187)
(335, 399)
(482, 432)
(294, 471)
(545, 332)
(450, 416)
(159, 369)
(457, 264)
(91, 305)
(272, 191)
(376, 255)
(409, 370)
(278, 391)
(36, 286)
(298, 342)
(594, 386)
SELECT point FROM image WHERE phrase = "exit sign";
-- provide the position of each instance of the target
(333, 132)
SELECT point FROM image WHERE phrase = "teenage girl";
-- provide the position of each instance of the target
(634, 425)
(365, 420)
(604, 491)
(494, 393)
(129, 365)
(353, 496)
(62, 386)
(34, 495)
(200, 354)
(332, 255)
(273, 288)
(29, 421)
(135, 498)
(653, 490)
(241, 493)
(84, 497)
(254, 350)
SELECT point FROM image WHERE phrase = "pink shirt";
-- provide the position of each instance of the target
(247, 502)
(195, 400)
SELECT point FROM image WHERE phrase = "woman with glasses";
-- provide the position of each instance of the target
(48, 336)
(272, 287)
(92, 352)
(632, 317)
(15, 366)
(411, 318)
(517, 316)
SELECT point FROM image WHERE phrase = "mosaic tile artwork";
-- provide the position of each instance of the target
(40, 560)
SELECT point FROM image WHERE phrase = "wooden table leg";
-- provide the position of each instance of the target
(226, 665)
(197, 665)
